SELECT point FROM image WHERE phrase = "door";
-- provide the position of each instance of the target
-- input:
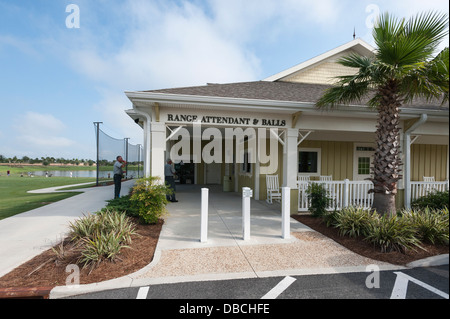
(363, 159)
(213, 173)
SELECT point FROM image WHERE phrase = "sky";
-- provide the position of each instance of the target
(66, 64)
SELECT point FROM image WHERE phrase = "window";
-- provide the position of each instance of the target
(363, 165)
(309, 161)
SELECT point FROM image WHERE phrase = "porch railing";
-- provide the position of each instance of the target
(421, 189)
(342, 194)
(356, 193)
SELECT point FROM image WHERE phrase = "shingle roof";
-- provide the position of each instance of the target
(275, 91)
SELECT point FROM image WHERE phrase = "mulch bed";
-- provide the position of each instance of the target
(45, 271)
(363, 248)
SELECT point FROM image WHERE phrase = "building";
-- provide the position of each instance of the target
(311, 142)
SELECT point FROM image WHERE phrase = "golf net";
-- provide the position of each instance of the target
(109, 148)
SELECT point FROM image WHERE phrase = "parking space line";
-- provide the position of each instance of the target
(142, 293)
(278, 289)
(401, 286)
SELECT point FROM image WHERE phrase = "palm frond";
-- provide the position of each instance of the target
(430, 80)
(401, 43)
(343, 94)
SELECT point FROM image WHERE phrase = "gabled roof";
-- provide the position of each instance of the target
(272, 91)
(357, 45)
(257, 90)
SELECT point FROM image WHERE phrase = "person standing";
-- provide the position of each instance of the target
(118, 173)
(169, 173)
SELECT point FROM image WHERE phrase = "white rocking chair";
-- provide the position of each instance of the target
(303, 178)
(429, 188)
(273, 188)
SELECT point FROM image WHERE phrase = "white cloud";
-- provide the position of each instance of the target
(166, 46)
(38, 133)
(162, 45)
(36, 123)
(7, 42)
(169, 44)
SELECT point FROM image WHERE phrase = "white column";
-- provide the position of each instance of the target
(158, 140)
(407, 169)
(204, 216)
(257, 167)
(147, 140)
(407, 160)
(246, 195)
(290, 159)
(286, 212)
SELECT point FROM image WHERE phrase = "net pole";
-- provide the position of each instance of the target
(126, 157)
(97, 124)
(139, 158)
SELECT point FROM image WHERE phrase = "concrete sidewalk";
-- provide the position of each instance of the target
(181, 256)
(27, 235)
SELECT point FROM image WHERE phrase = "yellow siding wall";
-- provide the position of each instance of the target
(324, 73)
(336, 157)
(279, 172)
(428, 160)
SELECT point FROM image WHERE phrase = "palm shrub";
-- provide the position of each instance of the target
(431, 225)
(101, 236)
(319, 200)
(149, 197)
(354, 221)
(393, 233)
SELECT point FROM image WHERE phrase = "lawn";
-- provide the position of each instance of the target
(14, 198)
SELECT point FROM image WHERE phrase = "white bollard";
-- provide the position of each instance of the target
(285, 212)
(204, 216)
(246, 195)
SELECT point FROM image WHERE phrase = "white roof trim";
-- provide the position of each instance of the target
(358, 44)
(289, 107)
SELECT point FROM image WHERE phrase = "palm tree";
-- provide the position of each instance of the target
(403, 68)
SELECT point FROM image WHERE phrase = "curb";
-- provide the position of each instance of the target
(430, 261)
(25, 293)
(133, 280)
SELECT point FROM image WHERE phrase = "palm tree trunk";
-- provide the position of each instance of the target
(387, 160)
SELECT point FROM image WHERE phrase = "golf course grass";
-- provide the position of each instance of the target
(14, 198)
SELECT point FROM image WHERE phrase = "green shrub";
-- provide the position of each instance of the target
(392, 233)
(319, 200)
(435, 200)
(149, 197)
(432, 225)
(354, 221)
(123, 204)
(101, 236)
